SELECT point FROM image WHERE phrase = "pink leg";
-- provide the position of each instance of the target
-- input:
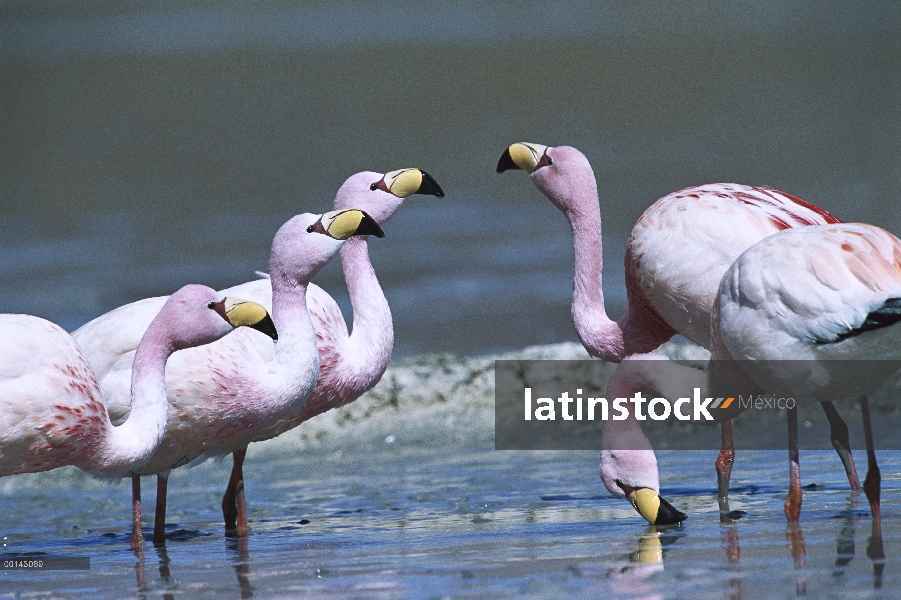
(793, 502)
(234, 504)
(137, 537)
(159, 520)
(724, 468)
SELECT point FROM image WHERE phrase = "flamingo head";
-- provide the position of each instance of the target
(381, 195)
(632, 474)
(561, 173)
(197, 315)
(304, 244)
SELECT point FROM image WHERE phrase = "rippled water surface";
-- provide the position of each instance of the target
(451, 517)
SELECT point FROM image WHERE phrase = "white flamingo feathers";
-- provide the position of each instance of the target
(240, 382)
(51, 411)
(827, 295)
(675, 258)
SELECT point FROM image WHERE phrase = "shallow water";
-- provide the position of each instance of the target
(401, 495)
(418, 520)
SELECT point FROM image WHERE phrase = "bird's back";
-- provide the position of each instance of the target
(684, 243)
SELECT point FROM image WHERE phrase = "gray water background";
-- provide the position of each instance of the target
(147, 145)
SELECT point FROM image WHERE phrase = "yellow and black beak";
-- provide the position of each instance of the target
(406, 182)
(243, 313)
(525, 156)
(651, 506)
(342, 224)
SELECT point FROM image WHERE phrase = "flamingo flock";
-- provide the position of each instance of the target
(756, 275)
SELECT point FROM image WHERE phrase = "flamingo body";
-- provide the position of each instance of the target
(51, 409)
(682, 245)
(240, 382)
(834, 296)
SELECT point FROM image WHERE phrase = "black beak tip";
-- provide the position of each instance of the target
(369, 226)
(669, 515)
(268, 327)
(429, 186)
(506, 162)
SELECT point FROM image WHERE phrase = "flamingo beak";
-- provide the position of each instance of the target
(243, 313)
(405, 182)
(650, 505)
(342, 224)
(525, 156)
(655, 509)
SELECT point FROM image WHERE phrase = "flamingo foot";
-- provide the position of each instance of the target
(871, 487)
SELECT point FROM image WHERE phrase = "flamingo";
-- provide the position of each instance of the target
(350, 363)
(835, 297)
(243, 381)
(628, 464)
(676, 256)
(51, 411)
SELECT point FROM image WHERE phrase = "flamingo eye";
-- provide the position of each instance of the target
(373, 187)
(549, 161)
(311, 229)
(211, 305)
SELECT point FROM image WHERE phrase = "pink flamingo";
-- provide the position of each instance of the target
(834, 299)
(628, 464)
(675, 258)
(350, 363)
(50, 404)
(243, 381)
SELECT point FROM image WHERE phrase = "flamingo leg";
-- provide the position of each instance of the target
(724, 467)
(137, 537)
(871, 487)
(793, 502)
(159, 518)
(234, 504)
(841, 441)
(872, 483)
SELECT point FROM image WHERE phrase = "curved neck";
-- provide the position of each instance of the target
(368, 350)
(295, 352)
(602, 337)
(132, 443)
(292, 320)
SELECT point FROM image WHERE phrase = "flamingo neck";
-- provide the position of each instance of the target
(132, 443)
(602, 337)
(296, 367)
(367, 352)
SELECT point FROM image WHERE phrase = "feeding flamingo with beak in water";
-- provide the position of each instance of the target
(815, 313)
(51, 411)
(242, 381)
(628, 464)
(676, 256)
